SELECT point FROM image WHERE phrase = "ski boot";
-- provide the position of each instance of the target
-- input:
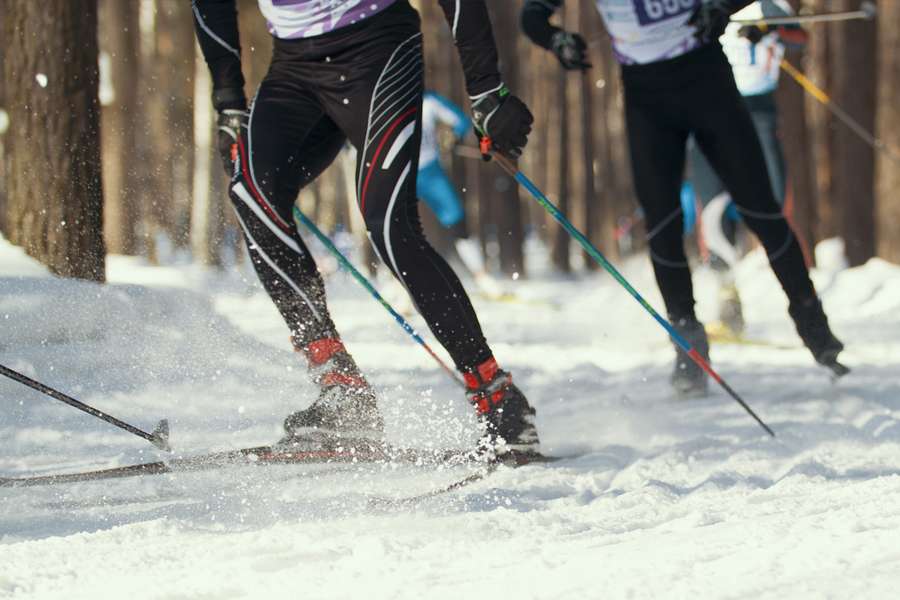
(688, 379)
(812, 326)
(506, 415)
(345, 415)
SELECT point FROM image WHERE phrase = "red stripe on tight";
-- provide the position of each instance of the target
(255, 192)
(394, 125)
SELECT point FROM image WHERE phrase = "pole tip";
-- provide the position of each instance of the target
(160, 436)
(869, 9)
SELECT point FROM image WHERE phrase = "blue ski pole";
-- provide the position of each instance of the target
(598, 256)
(371, 289)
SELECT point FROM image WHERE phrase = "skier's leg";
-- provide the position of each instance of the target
(657, 161)
(288, 144)
(387, 134)
(726, 134)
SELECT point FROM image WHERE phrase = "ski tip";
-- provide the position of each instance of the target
(160, 436)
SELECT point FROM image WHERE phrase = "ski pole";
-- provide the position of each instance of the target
(867, 11)
(603, 262)
(854, 125)
(371, 289)
(159, 437)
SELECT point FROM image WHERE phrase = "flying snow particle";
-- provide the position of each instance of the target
(4, 121)
(515, 276)
(41, 79)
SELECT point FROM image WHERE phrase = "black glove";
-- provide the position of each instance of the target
(753, 33)
(571, 51)
(710, 20)
(232, 125)
(502, 122)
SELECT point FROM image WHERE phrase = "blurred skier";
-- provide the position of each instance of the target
(345, 69)
(678, 82)
(435, 188)
(755, 55)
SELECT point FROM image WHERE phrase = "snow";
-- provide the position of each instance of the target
(666, 498)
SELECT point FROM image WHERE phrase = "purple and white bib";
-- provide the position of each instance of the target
(646, 31)
(292, 19)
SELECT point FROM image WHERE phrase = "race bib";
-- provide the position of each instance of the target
(650, 12)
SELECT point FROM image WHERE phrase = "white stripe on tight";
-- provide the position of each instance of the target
(365, 148)
(247, 199)
(387, 222)
(210, 33)
(398, 144)
(275, 268)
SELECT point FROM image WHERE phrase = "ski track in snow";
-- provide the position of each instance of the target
(665, 498)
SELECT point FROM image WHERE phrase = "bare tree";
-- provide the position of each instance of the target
(887, 168)
(119, 41)
(55, 204)
(853, 64)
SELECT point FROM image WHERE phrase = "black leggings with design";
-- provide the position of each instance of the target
(667, 101)
(363, 83)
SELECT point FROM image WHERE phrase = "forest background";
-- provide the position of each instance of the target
(107, 138)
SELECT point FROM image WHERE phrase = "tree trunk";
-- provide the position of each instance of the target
(119, 40)
(800, 203)
(207, 221)
(821, 123)
(888, 169)
(561, 238)
(853, 167)
(504, 194)
(55, 205)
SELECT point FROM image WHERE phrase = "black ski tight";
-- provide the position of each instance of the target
(696, 94)
(365, 84)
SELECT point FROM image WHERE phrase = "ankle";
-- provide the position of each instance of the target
(482, 374)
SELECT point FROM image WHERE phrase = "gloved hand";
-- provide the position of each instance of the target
(571, 50)
(710, 19)
(232, 125)
(502, 122)
(753, 33)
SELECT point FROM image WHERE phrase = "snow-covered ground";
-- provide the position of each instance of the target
(675, 499)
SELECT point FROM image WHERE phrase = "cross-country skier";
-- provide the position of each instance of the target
(677, 83)
(755, 54)
(351, 69)
(435, 188)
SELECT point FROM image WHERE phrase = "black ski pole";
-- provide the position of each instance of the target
(867, 11)
(159, 437)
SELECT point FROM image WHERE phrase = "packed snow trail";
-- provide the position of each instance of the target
(670, 499)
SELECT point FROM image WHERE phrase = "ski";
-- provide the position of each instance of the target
(269, 455)
(512, 460)
(259, 455)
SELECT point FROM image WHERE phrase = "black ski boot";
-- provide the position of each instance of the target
(346, 412)
(688, 379)
(507, 416)
(812, 326)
